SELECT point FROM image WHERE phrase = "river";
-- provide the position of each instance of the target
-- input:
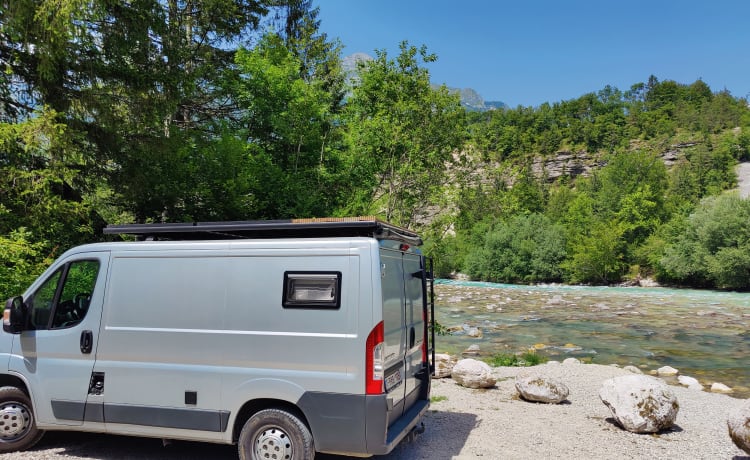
(703, 334)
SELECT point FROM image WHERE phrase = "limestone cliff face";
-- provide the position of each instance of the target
(571, 164)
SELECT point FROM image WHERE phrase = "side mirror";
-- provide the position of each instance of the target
(14, 315)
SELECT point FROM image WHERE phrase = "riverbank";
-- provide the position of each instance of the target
(704, 334)
(494, 423)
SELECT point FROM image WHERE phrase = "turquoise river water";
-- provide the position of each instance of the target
(703, 334)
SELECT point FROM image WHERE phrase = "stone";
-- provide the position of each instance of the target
(690, 382)
(633, 370)
(471, 373)
(443, 365)
(538, 388)
(473, 350)
(718, 387)
(639, 403)
(667, 371)
(739, 426)
(571, 361)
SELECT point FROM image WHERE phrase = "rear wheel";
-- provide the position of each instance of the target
(275, 434)
(18, 429)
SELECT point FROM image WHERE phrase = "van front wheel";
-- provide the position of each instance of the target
(18, 430)
(275, 434)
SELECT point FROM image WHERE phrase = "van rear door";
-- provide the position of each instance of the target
(394, 324)
(403, 317)
(415, 326)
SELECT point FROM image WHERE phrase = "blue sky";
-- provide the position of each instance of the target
(527, 52)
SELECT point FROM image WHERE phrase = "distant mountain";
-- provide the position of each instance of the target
(470, 99)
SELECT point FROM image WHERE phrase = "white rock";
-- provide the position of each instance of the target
(639, 403)
(443, 365)
(633, 370)
(569, 361)
(473, 350)
(739, 426)
(667, 371)
(718, 387)
(690, 382)
(471, 373)
(538, 388)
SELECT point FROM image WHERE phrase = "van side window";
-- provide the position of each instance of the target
(312, 290)
(40, 303)
(64, 296)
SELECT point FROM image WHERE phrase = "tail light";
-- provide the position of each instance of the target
(374, 360)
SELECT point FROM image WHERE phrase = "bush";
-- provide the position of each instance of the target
(525, 359)
(524, 249)
(714, 247)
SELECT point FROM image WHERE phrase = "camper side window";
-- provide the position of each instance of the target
(312, 290)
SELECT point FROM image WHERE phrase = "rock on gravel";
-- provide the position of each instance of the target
(739, 426)
(473, 374)
(539, 388)
(639, 403)
(494, 423)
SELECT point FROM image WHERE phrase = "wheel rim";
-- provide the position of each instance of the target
(273, 443)
(15, 421)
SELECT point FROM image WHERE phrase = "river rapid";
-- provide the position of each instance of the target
(703, 334)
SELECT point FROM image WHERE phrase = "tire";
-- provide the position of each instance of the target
(275, 434)
(18, 429)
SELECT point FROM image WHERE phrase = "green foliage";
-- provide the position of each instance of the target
(21, 261)
(289, 126)
(525, 359)
(401, 133)
(524, 249)
(713, 249)
(598, 255)
(182, 111)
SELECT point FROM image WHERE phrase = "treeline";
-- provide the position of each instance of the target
(170, 111)
(156, 111)
(632, 216)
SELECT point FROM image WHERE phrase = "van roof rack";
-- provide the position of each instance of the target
(293, 228)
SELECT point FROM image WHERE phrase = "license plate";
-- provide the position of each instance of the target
(393, 380)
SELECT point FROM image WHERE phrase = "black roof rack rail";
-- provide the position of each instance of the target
(292, 228)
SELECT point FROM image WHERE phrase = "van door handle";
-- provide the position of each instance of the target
(412, 337)
(87, 342)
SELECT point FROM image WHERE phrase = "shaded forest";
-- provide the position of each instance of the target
(174, 111)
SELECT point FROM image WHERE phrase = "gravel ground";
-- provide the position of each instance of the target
(493, 424)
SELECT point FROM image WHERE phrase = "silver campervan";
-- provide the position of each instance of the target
(285, 337)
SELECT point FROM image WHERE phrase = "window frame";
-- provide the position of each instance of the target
(291, 275)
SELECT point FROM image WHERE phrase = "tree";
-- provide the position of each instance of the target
(526, 248)
(290, 130)
(713, 249)
(401, 134)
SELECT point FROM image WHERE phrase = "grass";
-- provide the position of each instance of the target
(435, 399)
(525, 359)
